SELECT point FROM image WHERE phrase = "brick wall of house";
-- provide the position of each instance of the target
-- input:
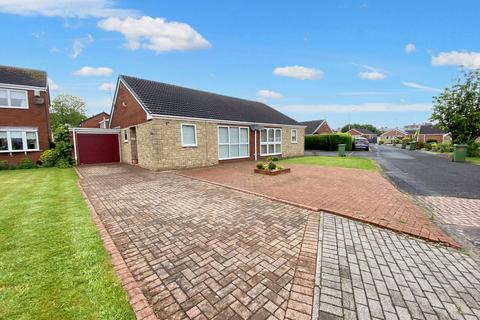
(94, 122)
(127, 111)
(290, 149)
(438, 137)
(37, 116)
(324, 129)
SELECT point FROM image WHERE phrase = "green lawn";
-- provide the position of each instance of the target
(473, 160)
(52, 261)
(333, 161)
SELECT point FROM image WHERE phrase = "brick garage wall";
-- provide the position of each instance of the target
(438, 137)
(37, 116)
(290, 149)
(159, 145)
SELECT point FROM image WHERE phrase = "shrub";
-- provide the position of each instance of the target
(382, 142)
(271, 165)
(473, 150)
(63, 163)
(405, 142)
(420, 145)
(269, 159)
(259, 165)
(444, 147)
(25, 163)
(4, 165)
(431, 141)
(49, 158)
(328, 142)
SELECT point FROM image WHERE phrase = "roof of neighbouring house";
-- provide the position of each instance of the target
(23, 77)
(169, 100)
(430, 129)
(410, 131)
(363, 131)
(312, 125)
(98, 114)
(389, 132)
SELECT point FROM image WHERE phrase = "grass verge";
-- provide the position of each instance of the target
(331, 161)
(474, 160)
(52, 261)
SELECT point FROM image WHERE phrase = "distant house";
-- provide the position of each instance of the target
(317, 127)
(411, 132)
(371, 136)
(100, 120)
(24, 114)
(430, 132)
(392, 134)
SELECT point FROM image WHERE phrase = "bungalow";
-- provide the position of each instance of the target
(165, 126)
(371, 136)
(392, 134)
(430, 132)
(24, 114)
(97, 121)
(317, 127)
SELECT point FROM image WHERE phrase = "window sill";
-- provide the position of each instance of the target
(10, 107)
(243, 157)
(292, 142)
(20, 151)
(189, 146)
(270, 154)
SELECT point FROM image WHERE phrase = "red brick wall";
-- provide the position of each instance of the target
(35, 116)
(324, 128)
(95, 121)
(426, 137)
(130, 115)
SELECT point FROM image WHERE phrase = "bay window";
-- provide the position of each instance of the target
(18, 140)
(270, 142)
(10, 98)
(233, 142)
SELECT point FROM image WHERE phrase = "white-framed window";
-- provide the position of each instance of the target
(188, 135)
(125, 135)
(233, 142)
(270, 142)
(18, 140)
(10, 98)
(293, 136)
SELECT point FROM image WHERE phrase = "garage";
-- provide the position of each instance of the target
(93, 145)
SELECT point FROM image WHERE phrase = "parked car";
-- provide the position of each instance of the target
(361, 143)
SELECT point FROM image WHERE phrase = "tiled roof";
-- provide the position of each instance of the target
(23, 77)
(312, 125)
(170, 100)
(363, 131)
(430, 129)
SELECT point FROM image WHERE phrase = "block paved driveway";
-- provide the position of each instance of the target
(201, 251)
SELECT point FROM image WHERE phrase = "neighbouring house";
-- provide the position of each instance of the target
(97, 121)
(411, 133)
(371, 136)
(24, 114)
(392, 134)
(165, 126)
(317, 127)
(430, 132)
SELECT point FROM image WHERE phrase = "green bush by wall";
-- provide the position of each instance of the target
(328, 142)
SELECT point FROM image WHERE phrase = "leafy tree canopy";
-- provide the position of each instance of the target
(457, 108)
(67, 109)
(360, 126)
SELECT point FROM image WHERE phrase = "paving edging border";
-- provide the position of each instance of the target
(452, 244)
(136, 298)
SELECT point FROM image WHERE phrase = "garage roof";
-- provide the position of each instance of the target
(169, 100)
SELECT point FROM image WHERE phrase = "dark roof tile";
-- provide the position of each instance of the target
(430, 129)
(312, 125)
(23, 77)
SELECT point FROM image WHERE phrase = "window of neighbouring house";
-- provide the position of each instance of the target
(189, 135)
(294, 136)
(270, 141)
(17, 140)
(125, 135)
(13, 98)
(233, 142)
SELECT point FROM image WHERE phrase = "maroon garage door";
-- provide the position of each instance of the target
(97, 148)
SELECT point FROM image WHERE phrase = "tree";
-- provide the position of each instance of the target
(67, 109)
(360, 126)
(457, 109)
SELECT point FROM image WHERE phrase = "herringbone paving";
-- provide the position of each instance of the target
(200, 251)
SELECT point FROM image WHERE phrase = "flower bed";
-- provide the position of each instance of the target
(270, 167)
(272, 172)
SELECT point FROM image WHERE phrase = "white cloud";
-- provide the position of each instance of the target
(470, 60)
(409, 48)
(94, 72)
(79, 44)
(155, 34)
(107, 86)
(268, 94)
(420, 87)
(298, 72)
(64, 8)
(371, 75)
(365, 107)
(52, 85)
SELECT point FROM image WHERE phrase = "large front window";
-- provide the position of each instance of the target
(18, 140)
(270, 142)
(10, 98)
(232, 142)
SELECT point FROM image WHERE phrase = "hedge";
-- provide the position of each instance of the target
(328, 142)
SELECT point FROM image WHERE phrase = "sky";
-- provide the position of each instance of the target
(377, 62)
